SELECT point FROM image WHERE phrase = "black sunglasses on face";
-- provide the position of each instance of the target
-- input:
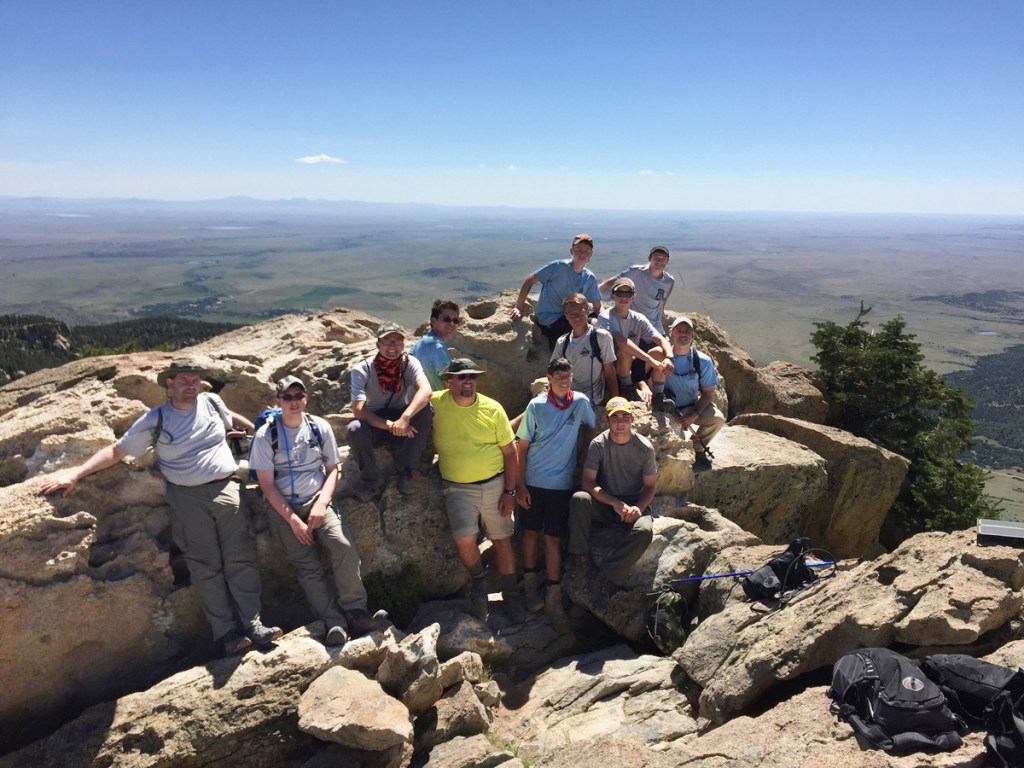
(464, 376)
(291, 398)
(622, 293)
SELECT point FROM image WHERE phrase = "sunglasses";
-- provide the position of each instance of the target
(622, 293)
(452, 320)
(464, 376)
(292, 398)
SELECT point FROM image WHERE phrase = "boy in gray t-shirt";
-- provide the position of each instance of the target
(295, 457)
(619, 483)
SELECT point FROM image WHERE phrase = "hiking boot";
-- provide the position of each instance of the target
(478, 598)
(235, 642)
(514, 608)
(555, 610)
(531, 596)
(404, 482)
(262, 636)
(702, 463)
(628, 391)
(360, 622)
(668, 405)
(365, 490)
(657, 402)
(336, 636)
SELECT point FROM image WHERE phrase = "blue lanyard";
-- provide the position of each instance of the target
(288, 457)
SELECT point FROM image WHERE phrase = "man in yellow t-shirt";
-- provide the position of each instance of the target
(479, 467)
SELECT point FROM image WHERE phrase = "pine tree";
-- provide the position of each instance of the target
(884, 393)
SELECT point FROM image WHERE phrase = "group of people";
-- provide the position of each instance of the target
(490, 465)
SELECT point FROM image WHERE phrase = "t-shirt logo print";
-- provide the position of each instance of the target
(912, 683)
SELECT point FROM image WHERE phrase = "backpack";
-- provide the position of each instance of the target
(595, 348)
(1004, 742)
(269, 416)
(891, 704)
(666, 619)
(969, 684)
(783, 575)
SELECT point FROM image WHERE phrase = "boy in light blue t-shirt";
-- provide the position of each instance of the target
(548, 437)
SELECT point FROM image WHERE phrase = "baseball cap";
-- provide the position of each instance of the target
(679, 320)
(389, 327)
(623, 282)
(657, 248)
(290, 381)
(618, 405)
(583, 238)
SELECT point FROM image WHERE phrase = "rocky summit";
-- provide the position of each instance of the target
(106, 659)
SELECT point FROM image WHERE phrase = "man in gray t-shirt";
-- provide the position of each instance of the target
(390, 404)
(619, 483)
(188, 435)
(295, 457)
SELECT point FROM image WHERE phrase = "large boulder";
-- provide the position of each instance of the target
(686, 539)
(202, 716)
(765, 484)
(863, 482)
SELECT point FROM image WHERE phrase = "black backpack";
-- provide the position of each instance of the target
(1005, 740)
(969, 684)
(783, 575)
(891, 704)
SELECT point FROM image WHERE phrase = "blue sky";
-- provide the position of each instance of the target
(718, 105)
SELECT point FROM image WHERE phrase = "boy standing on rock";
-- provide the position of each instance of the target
(548, 437)
(188, 435)
(295, 457)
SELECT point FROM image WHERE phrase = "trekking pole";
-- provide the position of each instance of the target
(821, 564)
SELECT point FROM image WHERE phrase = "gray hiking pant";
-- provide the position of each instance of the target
(219, 548)
(362, 438)
(334, 537)
(584, 511)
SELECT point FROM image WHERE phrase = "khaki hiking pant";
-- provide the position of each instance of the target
(334, 537)
(219, 548)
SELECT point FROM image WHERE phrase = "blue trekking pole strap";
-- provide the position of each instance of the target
(821, 564)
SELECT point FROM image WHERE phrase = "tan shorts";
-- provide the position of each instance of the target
(470, 504)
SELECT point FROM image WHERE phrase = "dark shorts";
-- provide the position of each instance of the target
(548, 512)
(638, 370)
(558, 328)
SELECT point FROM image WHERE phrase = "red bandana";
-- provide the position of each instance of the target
(389, 373)
(554, 400)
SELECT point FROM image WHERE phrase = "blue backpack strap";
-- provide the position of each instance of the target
(316, 432)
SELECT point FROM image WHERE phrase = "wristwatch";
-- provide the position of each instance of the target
(510, 491)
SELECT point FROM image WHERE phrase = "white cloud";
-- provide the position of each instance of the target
(316, 159)
(647, 173)
(512, 168)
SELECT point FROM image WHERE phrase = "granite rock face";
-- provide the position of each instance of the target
(101, 562)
